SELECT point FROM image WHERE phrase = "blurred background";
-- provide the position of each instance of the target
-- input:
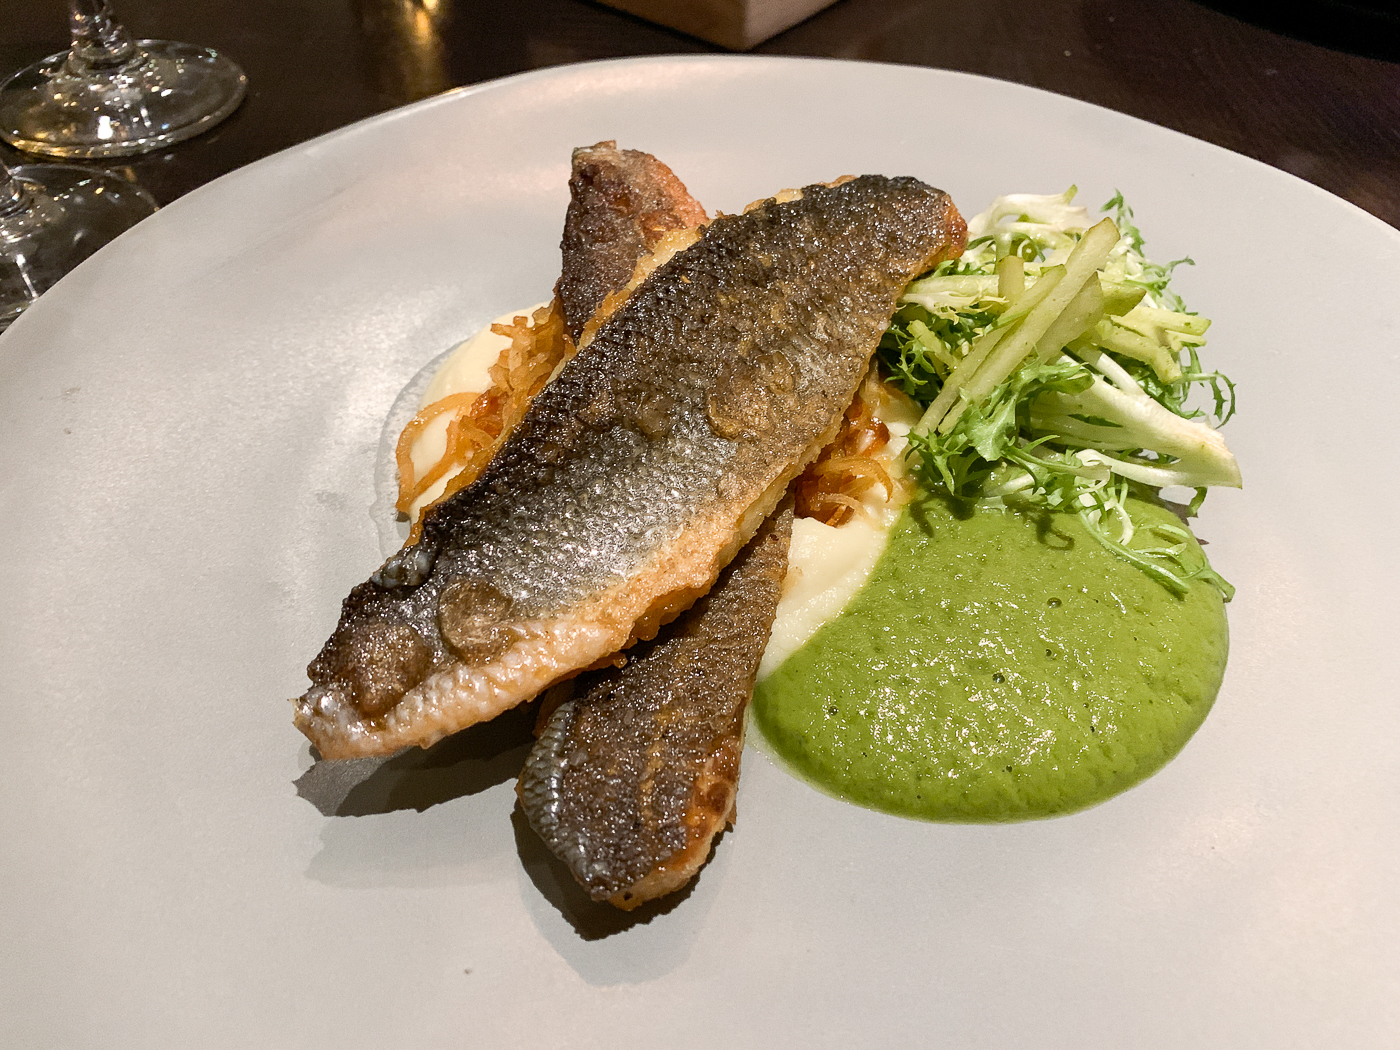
(1313, 89)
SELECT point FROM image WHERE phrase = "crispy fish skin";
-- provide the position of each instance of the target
(637, 474)
(634, 775)
(621, 204)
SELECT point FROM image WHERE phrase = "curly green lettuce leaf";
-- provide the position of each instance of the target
(1056, 367)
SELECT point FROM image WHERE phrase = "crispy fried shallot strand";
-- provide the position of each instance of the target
(409, 487)
(482, 421)
(830, 490)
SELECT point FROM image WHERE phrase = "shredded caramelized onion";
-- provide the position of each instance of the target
(832, 488)
(480, 422)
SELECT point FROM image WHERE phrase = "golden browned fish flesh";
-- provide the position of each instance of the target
(637, 474)
(634, 775)
(621, 204)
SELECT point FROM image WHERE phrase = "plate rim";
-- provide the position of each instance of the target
(454, 96)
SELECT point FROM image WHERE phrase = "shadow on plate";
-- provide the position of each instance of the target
(592, 920)
(465, 763)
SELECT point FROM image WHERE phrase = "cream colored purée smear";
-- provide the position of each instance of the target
(827, 564)
(466, 371)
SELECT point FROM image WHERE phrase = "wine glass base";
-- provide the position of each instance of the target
(165, 93)
(64, 215)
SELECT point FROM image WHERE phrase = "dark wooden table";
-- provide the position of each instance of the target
(1325, 114)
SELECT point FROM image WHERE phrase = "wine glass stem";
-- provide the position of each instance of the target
(99, 41)
(11, 192)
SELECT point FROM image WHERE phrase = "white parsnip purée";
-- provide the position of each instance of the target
(828, 564)
(465, 372)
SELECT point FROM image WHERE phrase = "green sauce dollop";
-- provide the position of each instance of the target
(997, 666)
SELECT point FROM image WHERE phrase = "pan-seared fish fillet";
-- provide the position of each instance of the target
(621, 204)
(637, 474)
(635, 774)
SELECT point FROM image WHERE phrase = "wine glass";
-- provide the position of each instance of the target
(52, 217)
(111, 96)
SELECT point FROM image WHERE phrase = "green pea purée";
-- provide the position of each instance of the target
(997, 666)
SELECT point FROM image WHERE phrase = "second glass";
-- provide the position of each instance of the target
(52, 217)
(111, 96)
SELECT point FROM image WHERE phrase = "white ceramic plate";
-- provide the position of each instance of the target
(189, 428)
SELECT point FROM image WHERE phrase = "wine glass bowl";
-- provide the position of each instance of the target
(111, 96)
(72, 107)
